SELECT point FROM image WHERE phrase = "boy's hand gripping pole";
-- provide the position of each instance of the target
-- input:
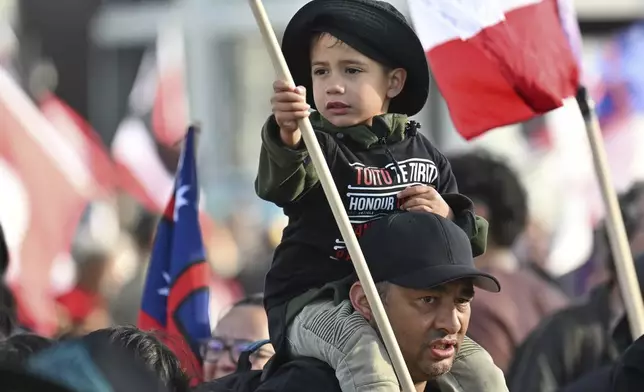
(331, 192)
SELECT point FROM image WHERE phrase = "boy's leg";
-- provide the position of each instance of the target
(341, 337)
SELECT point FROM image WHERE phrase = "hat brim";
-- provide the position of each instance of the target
(18, 380)
(373, 20)
(430, 277)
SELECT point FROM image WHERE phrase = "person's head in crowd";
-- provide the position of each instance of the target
(17, 349)
(497, 193)
(148, 347)
(245, 323)
(423, 267)
(77, 365)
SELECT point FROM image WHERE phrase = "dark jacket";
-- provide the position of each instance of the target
(369, 164)
(571, 343)
(598, 380)
(625, 375)
(309, 376)
(298, 375)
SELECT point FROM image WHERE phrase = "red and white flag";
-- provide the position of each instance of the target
(158, 93)
(499, 62)
(45, 186)
(80, 134)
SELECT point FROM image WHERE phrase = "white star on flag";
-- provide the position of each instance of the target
(165, 291)
(180, 200)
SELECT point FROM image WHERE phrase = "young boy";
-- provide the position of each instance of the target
(361, 65)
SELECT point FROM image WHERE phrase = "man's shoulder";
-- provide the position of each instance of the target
(302, 374)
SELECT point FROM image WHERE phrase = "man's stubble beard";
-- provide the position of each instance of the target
(435, 369)
(438, 369)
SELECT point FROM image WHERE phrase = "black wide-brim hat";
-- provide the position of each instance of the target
(374, 28)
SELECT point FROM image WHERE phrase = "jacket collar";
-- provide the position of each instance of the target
(390, 127)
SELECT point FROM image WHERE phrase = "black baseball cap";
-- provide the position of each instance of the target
(421, 250)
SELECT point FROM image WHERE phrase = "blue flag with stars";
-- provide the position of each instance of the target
(176, 295)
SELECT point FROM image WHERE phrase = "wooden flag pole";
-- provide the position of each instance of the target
(332, 195)
(621, 251)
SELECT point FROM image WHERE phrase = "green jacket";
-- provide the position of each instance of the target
(285, 174)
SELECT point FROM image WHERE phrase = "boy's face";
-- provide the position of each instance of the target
(349, 88)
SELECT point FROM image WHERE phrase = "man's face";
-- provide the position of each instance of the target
(349, 88)
(429, 325)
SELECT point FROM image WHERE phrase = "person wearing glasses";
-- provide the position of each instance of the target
(246, 323)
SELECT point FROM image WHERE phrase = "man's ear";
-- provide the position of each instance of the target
(397, 78)
(359, 301)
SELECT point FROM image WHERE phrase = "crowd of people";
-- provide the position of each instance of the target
(439, 233)
(582, 345)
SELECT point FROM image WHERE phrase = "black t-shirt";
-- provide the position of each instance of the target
(312, 252)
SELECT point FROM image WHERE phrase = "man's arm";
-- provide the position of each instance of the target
(284, 173)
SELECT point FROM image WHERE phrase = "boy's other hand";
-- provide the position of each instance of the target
(289, 106)
(424, 198)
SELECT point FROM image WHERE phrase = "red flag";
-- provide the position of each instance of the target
(44, 192)
(498, 62)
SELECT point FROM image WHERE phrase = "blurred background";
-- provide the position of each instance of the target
(96, 94)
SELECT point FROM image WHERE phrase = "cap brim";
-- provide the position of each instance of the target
(18, 380)
(438, 275)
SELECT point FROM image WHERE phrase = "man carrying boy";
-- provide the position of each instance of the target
(361, 65)
(426, 288)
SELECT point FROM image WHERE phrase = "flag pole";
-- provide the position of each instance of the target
(620, 247)
(332, 195)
